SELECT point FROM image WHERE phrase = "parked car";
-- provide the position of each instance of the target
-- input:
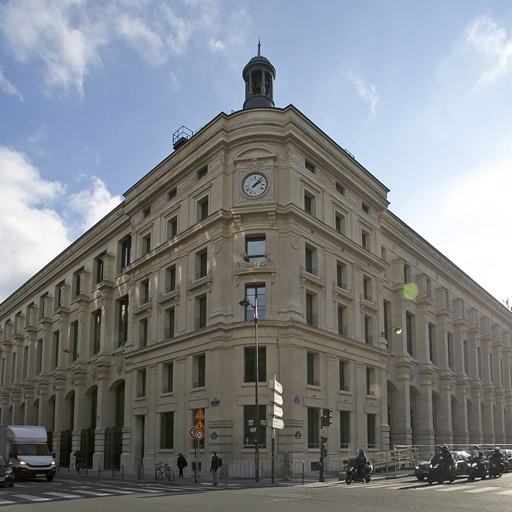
(6, 474)
(461, 465)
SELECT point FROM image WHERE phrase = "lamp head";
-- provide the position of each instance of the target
(245, 302)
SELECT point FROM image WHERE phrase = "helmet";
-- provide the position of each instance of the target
(443, 447)
(497, 449)
(476, 447)
(361, 452)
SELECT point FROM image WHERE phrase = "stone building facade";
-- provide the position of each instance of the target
(118, 342)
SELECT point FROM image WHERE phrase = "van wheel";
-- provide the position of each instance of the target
(50, 477)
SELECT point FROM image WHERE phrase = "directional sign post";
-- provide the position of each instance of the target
(276, 413)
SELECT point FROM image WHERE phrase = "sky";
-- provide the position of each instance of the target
(420, 93)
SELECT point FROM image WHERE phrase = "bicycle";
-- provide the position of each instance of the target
(162, 471)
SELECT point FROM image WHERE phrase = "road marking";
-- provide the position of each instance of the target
(6, 502)
(116, 490)
(30, 497)
(63, 495)
(504, 492)
(483, 489)
(93, 493)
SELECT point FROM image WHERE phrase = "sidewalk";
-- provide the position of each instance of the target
(206, 478)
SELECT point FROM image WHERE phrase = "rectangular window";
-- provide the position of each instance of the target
(146, 212)
(250, 364)
(371, 420)
(201, 264)
(172, 227)
(201, 311)
(77, 282)
(311, 317)
(143, 332)
(170, 279)
(368, 329)
(141, 383)
(310, 259)
(367, 288)
(313, 427)
(100, 268)
(365, 208)
(73, 342)
(250, 426)
(407, 273)
(202, 209)
(126, 251)
(202, 172)
(309, 166)
(479, 362)
(344, 429)
(146, 244)
(449, 349)
(256, 295)
(39, 357)
(465, 348)
(410, 328)
(341, 275)
(313, 369)
(122, 318)
(167, 377)
(370, 381)
(172, 194)
(342, 320)
(199, 368)
(96, 331)
(309, 203)
(144, 292)
(55, 348)
(59, 294)
(340, 189)
(167, 430)
(339, 221)
(365, 239)
(343, 376)
(431, 342)
(255, 248)
(169, 323)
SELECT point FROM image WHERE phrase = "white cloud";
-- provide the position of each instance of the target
(8, 88)
(468, 221)
(69, 36)
(32, 232)
(366, 92)
(93, 203)
(490, 42)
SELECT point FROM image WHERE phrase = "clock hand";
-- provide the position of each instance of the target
(256, 183)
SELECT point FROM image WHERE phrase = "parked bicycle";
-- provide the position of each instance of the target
(163, 471)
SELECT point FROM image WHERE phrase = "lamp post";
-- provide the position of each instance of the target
(398, 330)
(246, 302)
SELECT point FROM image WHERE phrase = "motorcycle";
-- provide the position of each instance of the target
(440, 470)
(353, 473)
(496, 469)
(477, 468)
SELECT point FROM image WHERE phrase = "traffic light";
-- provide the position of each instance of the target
(326, 417)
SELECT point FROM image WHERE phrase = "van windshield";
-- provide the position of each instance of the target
(32, 449)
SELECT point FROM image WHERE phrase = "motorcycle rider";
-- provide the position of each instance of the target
(361, 461)
(497, 457)
(446, 457)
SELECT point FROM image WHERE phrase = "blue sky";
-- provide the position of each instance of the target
(419, 92)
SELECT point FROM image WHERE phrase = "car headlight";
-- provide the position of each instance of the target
(53, 463)
(22, 463)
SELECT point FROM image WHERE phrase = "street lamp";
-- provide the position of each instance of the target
(245, 303)
(398, 330)
(72, 352)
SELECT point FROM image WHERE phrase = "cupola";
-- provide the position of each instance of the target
(259, 76)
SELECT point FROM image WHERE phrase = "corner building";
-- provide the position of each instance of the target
(118, 342)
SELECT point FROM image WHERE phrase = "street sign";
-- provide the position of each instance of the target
(275, 386)
(199, 434)
(276, 423)
(275, 410)
(199, 415)
(275, 398)
(192, 433)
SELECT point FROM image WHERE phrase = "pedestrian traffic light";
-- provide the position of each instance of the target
(326, 417)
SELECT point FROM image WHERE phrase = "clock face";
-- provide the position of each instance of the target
(254, 185)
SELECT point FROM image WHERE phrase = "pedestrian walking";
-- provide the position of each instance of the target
(182, 463)
(214, 467)
(78, 459)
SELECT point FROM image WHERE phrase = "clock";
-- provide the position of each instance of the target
(254, 185)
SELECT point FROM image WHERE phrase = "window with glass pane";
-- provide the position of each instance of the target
(313, 427)
(250, 364)
(255, 248)
(250, 426)
(167, 430)
(252, 293)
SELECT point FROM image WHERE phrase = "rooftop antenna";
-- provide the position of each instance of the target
(259, 46)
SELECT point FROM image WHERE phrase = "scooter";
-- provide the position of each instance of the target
(477, 469)
(439, 470)
(496, 469)
(353, 473)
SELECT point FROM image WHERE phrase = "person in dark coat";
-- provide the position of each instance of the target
(214, 466)
(182, 463)
(78, 459)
